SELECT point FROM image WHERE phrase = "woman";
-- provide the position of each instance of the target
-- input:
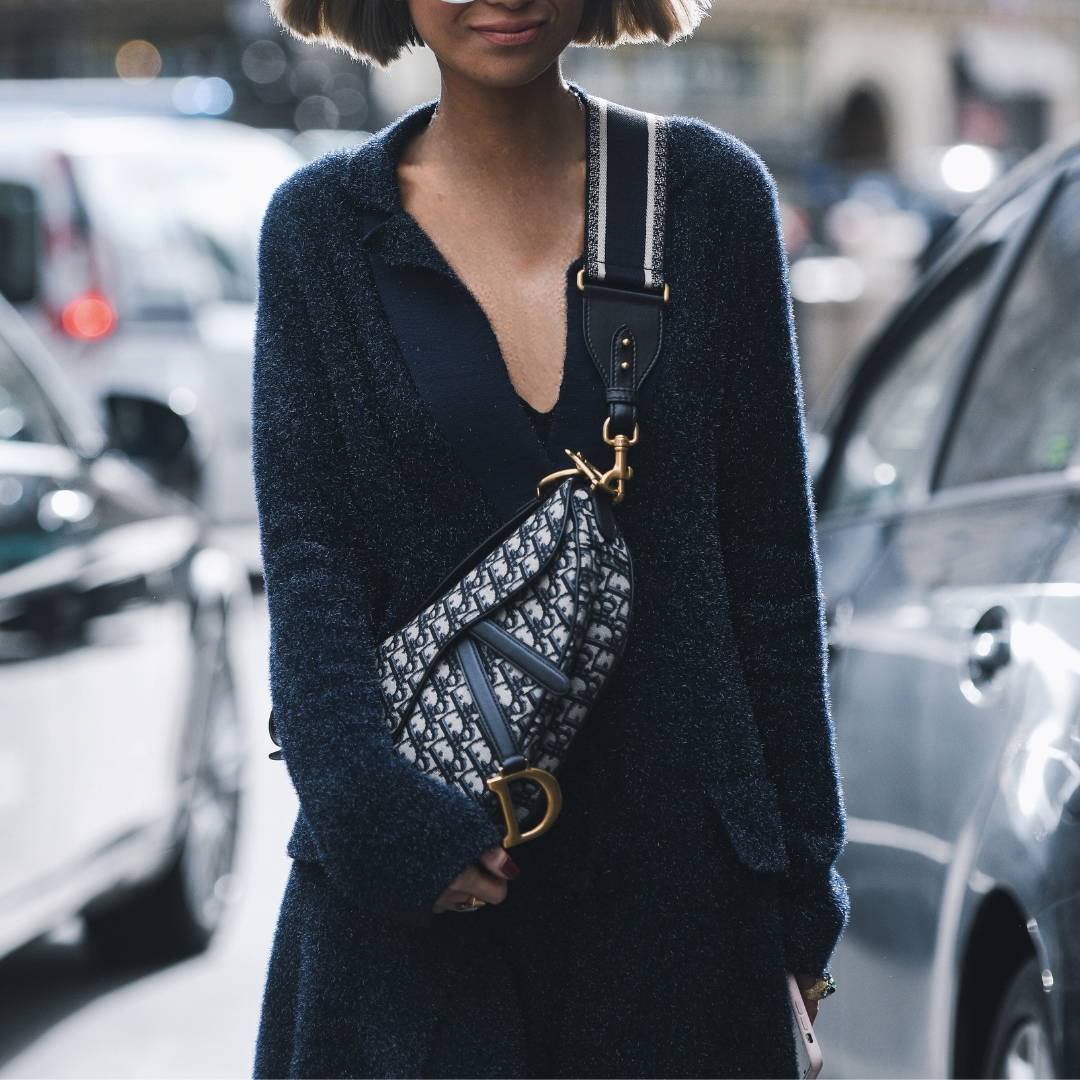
(420, 363)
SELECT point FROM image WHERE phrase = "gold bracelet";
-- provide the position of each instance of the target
(821, 989)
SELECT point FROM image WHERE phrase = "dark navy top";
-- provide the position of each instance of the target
(693, 863)
(457, 365)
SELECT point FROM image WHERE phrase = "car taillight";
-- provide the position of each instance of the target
(88, 317)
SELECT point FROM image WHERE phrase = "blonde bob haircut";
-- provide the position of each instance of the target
(377, 30)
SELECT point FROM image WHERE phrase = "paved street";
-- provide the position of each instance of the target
(63, 1016)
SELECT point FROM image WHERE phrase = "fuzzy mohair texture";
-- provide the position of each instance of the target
(650, 930)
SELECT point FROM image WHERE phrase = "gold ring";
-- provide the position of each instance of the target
(820, 989)
(472, 904)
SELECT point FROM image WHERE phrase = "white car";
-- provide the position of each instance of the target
(129, 244)
(120, 740)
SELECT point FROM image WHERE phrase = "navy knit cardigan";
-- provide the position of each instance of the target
(694, 860)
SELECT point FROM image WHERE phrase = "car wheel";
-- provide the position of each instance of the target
(1021, 1045)
(177, 914)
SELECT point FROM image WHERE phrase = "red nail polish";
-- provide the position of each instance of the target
(510, 868)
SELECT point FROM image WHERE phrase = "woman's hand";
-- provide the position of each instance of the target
(485, 880)
(805, 983)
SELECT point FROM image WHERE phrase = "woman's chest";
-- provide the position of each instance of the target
(458, 370)
(510, 247)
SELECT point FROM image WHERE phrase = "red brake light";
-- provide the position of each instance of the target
(89, 317)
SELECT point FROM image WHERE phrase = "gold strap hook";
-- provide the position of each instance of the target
(613, 481)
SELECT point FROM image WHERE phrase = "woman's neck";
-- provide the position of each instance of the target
(498, 182)
(507, 132)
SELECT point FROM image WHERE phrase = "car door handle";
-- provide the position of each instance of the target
(989, 649)
(837, 622)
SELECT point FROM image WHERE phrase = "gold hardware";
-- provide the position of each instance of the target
(626, 343)
(613, 481)
(501, 786)
(555, 477)
(620, 472)
(581, 285)
(820, 989)
(472, 904)
(625, 365)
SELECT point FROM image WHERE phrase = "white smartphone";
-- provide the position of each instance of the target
(807, 1049)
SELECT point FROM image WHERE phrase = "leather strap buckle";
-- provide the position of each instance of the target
(501, 786)
(581, 285)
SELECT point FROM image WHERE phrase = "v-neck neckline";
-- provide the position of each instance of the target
(569, 276)
(454, 359)
(420, 250)
(441, 264)
(485, 424)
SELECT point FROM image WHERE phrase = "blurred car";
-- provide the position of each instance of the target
(129, 242)
(949, 503)
(120, 745)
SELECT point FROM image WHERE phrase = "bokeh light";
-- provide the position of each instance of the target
(968, 168)
(182, 401)
(138, 62)
(195, 96)
(827, 279)
(88, 317)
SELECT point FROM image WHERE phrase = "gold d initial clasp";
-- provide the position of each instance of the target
(501, 786)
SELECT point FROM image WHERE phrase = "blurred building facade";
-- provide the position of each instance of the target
(853, 104)
(276, 81)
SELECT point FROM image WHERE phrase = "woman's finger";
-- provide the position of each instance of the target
(482, 885)
(496, 861)
(450, 901)
(471, 882)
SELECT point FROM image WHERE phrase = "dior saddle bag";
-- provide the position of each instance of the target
(487, 687)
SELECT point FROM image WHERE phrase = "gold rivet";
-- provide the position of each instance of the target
(626, 343)
(625, 366)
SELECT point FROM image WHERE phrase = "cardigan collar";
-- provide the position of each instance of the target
(372, 179)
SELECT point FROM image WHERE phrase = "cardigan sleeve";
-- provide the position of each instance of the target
(387, 836)
(767, 534)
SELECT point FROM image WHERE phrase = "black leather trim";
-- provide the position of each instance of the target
(491, 717)
(537, 667)
(605, 515)
(612, 316)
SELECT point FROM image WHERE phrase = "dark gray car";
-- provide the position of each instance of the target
(950, 540)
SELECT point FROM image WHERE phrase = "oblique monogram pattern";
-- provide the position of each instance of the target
(560, 589)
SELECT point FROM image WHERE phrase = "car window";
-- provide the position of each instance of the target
(181, 204)
(1022, 414)
(30, 476)
(885, 444)
(25, 415)
(18, 242)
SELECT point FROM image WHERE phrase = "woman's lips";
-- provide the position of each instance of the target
(510, 33)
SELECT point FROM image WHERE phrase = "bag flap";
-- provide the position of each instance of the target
(406, 657)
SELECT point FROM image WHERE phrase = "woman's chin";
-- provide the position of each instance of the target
(504, 68)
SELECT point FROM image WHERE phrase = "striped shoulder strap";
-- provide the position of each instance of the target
(627, 186)
(623, 277)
